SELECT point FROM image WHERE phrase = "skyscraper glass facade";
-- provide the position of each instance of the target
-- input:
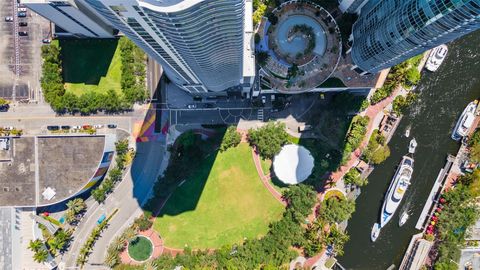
(390, 31)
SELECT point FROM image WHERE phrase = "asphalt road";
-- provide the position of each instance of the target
(127, 198)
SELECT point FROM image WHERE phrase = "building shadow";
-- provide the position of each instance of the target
(87, 60)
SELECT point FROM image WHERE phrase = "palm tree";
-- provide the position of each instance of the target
(119, 243)
(151, 265)
(112, 258)
(35, 246)
(40, 256)
(70, 216)
(77, 205)
(129, 233)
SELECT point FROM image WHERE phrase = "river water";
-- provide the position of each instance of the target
(443, 96)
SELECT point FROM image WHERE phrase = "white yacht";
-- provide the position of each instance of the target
(436, 57)
(375, 232)
(465, 121)
(403, 219)
(397, 189)
(407, 132)
(412, 146)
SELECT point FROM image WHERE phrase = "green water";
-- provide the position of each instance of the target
(443, 96)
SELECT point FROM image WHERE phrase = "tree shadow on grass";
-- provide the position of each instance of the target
(86, 60)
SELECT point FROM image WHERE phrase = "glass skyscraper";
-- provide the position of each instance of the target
(390, 31)
(199, 43)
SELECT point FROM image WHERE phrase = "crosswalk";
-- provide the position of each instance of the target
(260, 115)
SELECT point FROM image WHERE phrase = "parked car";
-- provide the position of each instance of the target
(23, 33)
(22, 9)
(101, 219)
(86, 126)
(46, 41)
(264, 99)
(76, 127)
(111, 126)
(209, 105)
(22, 14)
(22, 24)
(98, 126)
(4, 108)
(8, 128)
(191, 106)
(65, 127)
(53, 128)
(9, 19)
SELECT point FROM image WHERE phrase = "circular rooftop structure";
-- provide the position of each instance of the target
(301, 45)
(293, 164)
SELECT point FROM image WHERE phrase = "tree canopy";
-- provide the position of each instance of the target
(336, 210)
(268, 139)
(231, 138)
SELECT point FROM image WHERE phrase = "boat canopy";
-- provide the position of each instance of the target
(468, 121)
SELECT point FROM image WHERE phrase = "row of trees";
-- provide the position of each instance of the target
(231, 138)
(133, 71)
(401, 103)
(405, 74)
(269, 252)
(459, 213)
(355, 136)
(88, 245)
(474, 146)
(53, 245)
(115, 174)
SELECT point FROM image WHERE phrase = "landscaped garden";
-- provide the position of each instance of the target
(140, 248)
(221, 203)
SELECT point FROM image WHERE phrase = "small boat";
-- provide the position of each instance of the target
(407, 132)
(436, 57)
(412, 146)
(375, 232)
(465, 121)
(403, 218)
(396, 190)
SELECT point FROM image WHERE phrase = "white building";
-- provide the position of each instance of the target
(73, 16)
(203, 45)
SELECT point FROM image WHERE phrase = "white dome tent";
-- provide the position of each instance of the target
(293, 164)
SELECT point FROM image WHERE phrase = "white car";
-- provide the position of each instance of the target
(8, 128)
(264, 99)
(98, 126)
(191, 106)
(76, 127)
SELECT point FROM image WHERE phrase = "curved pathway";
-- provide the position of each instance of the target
(265, 178)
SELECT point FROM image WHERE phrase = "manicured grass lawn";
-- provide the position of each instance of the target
(140, 248)
(220, 204)
(266, 165)
(91, 65)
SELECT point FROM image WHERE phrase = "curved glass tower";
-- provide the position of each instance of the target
(199, 43)
(390, 31)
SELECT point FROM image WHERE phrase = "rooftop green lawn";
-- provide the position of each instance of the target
(232, 204)
(91, 65)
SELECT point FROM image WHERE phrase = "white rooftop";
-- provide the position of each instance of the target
(293, 164)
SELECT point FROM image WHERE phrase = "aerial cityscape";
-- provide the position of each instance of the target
(240, 134)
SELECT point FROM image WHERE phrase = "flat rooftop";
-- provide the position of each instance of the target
(32, 164)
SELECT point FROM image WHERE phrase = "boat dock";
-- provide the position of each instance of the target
(416, 253)
(435, 193)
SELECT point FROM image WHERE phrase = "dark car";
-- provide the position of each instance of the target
(22, 24)
(111, 126)
(52, 128)
(23, 33)
(209, 105)
(66, 127)
(4, 108)
(22, 14)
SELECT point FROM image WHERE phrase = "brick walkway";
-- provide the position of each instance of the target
(266, 178)
(158, 247)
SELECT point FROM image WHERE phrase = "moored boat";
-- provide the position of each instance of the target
(407, 132)
(403, 219)
(375, 232)
(412, 146)
(436, 57)
(396, 190)
(465, 121)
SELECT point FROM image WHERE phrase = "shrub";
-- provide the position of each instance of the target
(336, 210)
(355, 136)
(377, 151)
(353, 177)
(231, 138)
(142, 223)
(268, 139)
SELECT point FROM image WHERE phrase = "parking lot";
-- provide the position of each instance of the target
(20, 54)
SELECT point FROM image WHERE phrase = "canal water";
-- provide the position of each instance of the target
(443, 96)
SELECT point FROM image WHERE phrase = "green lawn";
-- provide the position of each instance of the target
(140, 248)
(91, 65)
(266, 165)
(221, 204)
